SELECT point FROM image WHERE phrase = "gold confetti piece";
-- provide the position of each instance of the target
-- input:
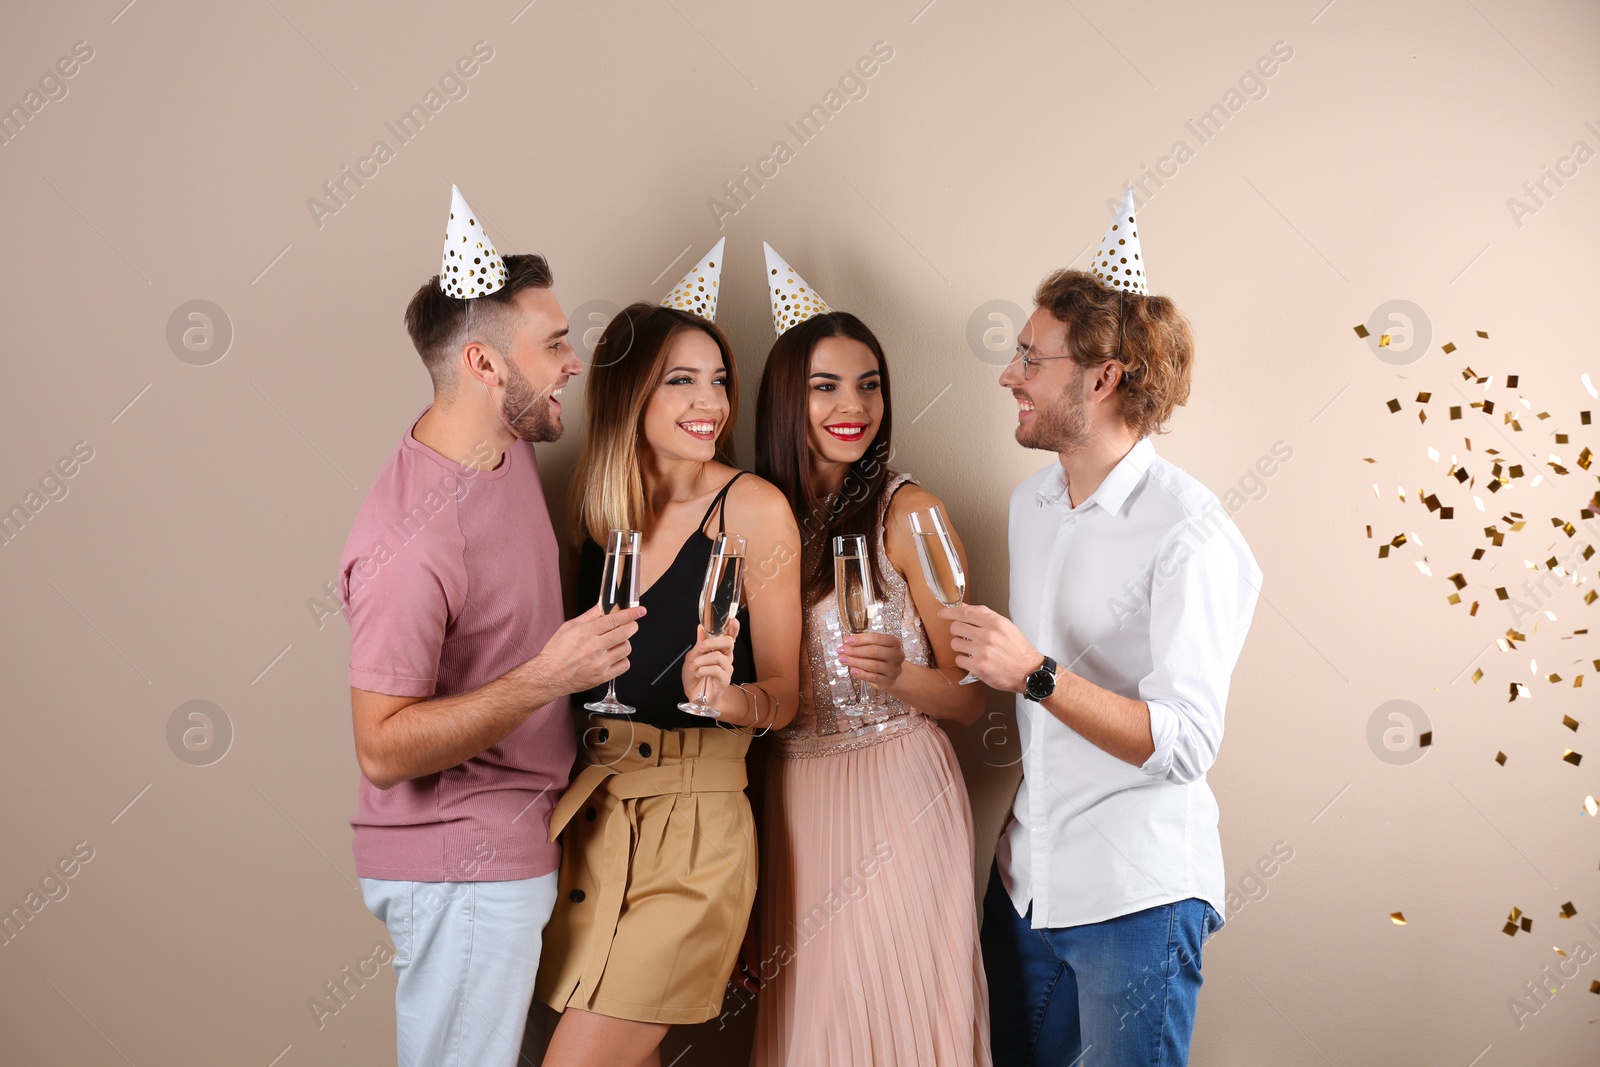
(1570, 723)
(1572, 757)
(1558, 950)
(1455, 411)
(1451, 347)
(1477, 676)
(1516, 914)
(1594, 987)
(1425, 739)
(1501, 593)
(1394, 405)
(1511, 381)
(1500, 758)
(1591, 806)
(1583, 417)
(1520, 690)
(1423, 398)
(1527, 925)
(1369, 459)
(1568, 911)
(1383, 342)
(1510, 929)
(1398, 918)
(1561, 438)
(1423, 567)
(1483, 335)
(1589, 597)
(1552, 678)
(1361, 331)
(1454, 598)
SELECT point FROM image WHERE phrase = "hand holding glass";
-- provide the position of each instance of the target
(941, 563)
(858, 605)
(619, 588)
(720, 597)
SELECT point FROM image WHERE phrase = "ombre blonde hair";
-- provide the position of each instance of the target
(608, 483)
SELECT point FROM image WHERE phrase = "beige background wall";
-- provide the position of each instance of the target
(187, 556)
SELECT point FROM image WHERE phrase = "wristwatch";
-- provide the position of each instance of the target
(1042, 682)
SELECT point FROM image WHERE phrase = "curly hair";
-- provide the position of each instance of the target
(1153, 342)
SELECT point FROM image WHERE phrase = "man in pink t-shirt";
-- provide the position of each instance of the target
(459, 669)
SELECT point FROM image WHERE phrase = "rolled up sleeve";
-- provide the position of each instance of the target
(1203, 594)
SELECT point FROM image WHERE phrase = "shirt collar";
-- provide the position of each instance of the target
(1112, 493)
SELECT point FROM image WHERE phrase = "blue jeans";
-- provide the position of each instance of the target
(465, 956)
(1119, 993)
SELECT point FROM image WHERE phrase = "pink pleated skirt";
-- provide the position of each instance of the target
(869, 927)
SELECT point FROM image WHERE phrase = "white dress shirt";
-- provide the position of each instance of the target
(1146, 589)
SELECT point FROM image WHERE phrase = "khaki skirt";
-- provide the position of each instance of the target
(658, 873)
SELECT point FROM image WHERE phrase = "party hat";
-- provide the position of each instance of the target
(793, 301)
(1118, 264)
(471, 267)
(697, 292)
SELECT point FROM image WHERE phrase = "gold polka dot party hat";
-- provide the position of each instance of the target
(697, 292)
(1119, 264)
(793, 299)
(471, 267)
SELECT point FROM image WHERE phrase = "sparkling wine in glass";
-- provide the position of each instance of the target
(720, 596)
(858, 606)
(619, 588)
(941, 563)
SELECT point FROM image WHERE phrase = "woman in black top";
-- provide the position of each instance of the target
(668, 629)
(658, 867)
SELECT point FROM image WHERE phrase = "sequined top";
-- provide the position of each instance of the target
(821, 726)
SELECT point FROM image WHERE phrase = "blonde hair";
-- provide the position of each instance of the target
(608, 483)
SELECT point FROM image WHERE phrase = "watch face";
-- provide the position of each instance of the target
(1041, 683)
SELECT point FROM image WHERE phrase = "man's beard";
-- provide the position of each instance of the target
(1062, 427)
(526, 411)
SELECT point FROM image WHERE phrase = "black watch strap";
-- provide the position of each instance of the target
(1042, 682)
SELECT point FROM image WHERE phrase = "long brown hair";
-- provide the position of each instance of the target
(608, 484)
(1156, 343)
(783, 449)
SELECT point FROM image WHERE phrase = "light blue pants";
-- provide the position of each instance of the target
(466, 954)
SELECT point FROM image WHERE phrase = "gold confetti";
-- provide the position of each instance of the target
(1394, 405)
(1361, 331)
(1594, 987)
(1477, 676)
(1449, 348)
(1398, 918)
(1570, 723)
(1483, 335)
(1500, 758)
(1591, 806)
(1383, 342)
(1527, 925)
(1572, 757)
(1568, 911)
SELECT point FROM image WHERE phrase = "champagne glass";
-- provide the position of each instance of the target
(858, 606)
(941, 563)
(619, 588)
(720, 596)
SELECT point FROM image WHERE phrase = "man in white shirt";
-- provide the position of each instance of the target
(1132, 592)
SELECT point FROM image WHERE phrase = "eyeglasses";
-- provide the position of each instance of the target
(1030, 364)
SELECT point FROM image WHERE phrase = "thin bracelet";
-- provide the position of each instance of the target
(755, 725)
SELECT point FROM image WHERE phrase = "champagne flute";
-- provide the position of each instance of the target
(941, 563)
(619, 588)
(858, 606)
(720, 596)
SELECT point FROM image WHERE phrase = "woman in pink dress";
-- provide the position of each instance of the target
(869, 928)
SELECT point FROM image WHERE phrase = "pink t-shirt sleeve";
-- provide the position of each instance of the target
(398, 604)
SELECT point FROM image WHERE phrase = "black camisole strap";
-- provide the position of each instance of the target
(717, 505)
